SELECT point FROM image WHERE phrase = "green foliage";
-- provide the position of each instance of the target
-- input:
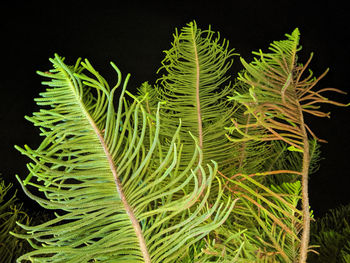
(10, 212)
(153, 176)
(332, 234)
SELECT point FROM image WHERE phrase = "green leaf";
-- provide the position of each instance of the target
(293, 149)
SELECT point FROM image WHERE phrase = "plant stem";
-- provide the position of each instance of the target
(305, 192)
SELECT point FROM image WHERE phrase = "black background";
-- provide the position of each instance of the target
(134, 34)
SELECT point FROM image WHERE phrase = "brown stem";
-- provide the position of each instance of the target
(304, 191)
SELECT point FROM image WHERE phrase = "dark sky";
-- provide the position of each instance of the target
(133, 35)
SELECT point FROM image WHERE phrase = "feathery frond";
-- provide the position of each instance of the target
(194, 86)
(93, 169)
(276, 98)
(277, 95)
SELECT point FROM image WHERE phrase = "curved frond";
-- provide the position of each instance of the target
(93, 169)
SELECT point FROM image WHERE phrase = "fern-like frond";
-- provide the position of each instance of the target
(112, 203)
(194, 86)
(275, 96)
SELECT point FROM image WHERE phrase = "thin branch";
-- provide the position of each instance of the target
(317, 113)
(313, 135)
(300, 73)
(314, 82)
